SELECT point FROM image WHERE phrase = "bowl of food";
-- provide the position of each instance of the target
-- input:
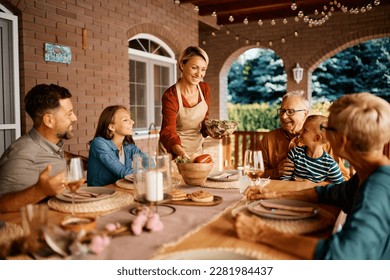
(218, 129)
(195, 173)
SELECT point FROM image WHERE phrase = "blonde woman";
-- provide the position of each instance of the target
(185, 107)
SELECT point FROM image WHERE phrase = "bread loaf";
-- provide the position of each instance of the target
(205, 158)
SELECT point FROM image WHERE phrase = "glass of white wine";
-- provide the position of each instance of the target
(74, 177)
(254, 165)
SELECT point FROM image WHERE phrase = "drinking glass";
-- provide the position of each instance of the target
(74, 177)
(253, 165)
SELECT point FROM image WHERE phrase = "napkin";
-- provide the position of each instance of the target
(81, 194)
(278, 206)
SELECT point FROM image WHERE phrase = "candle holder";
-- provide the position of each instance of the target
(152, 175)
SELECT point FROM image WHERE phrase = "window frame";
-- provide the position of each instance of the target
(151, 59)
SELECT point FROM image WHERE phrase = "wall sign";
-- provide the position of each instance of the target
(57, 53)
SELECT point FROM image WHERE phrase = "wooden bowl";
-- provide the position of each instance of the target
(194, 174)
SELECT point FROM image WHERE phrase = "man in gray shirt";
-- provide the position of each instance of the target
(33, 167)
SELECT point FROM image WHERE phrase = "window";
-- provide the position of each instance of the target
(9, 79)
(152, 69)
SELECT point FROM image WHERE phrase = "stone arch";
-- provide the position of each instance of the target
(345, 42)
(157, 31)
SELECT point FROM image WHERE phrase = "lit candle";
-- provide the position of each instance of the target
(154, 186)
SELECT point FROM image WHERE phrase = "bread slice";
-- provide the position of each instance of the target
(178, 194)
(201, 196)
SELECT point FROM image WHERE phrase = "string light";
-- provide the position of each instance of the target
(317, 18)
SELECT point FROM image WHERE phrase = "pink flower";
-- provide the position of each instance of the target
(99, 243)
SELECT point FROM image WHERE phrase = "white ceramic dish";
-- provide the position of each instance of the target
(99, 191)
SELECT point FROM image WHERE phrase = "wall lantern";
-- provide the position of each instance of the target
(298, 73)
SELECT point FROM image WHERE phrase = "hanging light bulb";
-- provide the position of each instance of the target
(369, 7)
(300, 14)
(231, 18)
(377, 2)
(246, 21)
(214, 14)
(227, 32)
(296, 19)
(260, 22)
(293, 6)
(177, 2)
(306, 18)
(196, 9)
(213, 34)
(284, 21)
(316, 12)
(283, 40)
(247, 41)
(273, 22)
(296, 34)
(204, 42)
(257, 44)
(237, 37)
(270, 43)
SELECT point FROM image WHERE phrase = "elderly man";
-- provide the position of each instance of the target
(358, 127)
(33, 167)
(275, 144)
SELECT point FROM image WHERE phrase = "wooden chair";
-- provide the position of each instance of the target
(242, 140)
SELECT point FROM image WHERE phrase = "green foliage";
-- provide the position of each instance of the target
(254, 117)
(257, 79)
(363, 67)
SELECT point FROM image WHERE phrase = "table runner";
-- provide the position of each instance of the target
(184, 220)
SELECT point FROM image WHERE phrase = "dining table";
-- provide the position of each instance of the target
(190, 230)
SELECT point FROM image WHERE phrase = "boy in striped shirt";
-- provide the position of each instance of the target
(311, 162)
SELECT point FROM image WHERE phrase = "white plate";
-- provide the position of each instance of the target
(273, 214)
(206, 254)
(224, 176)
(97, 190)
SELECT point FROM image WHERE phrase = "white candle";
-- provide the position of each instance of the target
(154, 186)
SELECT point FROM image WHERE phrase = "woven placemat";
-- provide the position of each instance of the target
(10, 232)
(124, 184)
(116, 201)
(221, 185)
(323, 220)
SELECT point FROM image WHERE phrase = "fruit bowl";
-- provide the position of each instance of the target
(194, 174)
(218, 129)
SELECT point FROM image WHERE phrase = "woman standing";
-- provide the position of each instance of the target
(185, 107)
(112, 149)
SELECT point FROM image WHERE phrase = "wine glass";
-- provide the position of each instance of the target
(253, 165)
(74, 177)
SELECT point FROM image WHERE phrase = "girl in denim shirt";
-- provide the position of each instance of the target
(112, 149)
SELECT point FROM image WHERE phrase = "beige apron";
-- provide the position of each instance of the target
(189, 124)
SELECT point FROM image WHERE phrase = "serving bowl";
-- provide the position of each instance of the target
(218, 129)
(194, 174)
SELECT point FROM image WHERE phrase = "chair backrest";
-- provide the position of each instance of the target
(242, 140)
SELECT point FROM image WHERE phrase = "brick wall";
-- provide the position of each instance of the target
(97, 76)
(312, 46)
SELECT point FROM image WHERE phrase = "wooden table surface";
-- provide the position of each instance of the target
(218, 233)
